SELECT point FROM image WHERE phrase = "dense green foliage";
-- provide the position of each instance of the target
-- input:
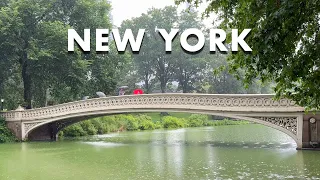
(161, 72)
(5, 134)
(35, 66)
(36, 69)
(107, 124)
(173, 122)
(285, 41)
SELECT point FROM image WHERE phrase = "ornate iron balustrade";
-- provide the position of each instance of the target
(233, 103)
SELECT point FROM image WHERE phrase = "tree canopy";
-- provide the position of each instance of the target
(179, 71)
(285, 39)
(36, 69)
(34, 57)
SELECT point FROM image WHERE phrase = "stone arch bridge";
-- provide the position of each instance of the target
(283, 115)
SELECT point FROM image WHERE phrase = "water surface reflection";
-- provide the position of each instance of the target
(226, 152)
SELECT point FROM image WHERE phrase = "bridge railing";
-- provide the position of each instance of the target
(219, 102)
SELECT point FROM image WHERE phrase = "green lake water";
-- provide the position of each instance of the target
(225, 152)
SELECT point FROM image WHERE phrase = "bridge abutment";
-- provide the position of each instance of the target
(16, 129)
(311, 131)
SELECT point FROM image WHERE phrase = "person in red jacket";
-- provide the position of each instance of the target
(137, 91)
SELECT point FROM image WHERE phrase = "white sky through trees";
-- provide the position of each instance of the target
(127, 9)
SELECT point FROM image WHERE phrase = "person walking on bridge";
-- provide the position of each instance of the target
(121, 92)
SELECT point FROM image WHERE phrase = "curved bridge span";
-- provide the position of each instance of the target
(45, 123)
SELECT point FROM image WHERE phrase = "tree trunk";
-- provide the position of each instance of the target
(1, 86)
(146, 83)
(185, 83)
(163, 85)
(27, 94)
(184, 88)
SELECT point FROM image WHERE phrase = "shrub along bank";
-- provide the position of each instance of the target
(107, 124)
(5, 134)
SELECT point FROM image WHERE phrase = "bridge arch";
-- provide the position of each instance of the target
(60, 124)
(282, 115)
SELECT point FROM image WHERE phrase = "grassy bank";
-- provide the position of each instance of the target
(136, 122)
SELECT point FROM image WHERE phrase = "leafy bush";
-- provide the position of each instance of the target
(135, 122)
(146, 125)
(88, 127)
(99, 126)
(198, 120)
(5, 134)
(132, 125)
(145, 122)
(74, 130)
(173, 122)
(128, 122)
(158, 125)
(111, 123)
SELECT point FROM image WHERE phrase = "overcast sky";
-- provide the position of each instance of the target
(126, 9)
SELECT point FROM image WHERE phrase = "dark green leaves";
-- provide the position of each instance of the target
(285, 40)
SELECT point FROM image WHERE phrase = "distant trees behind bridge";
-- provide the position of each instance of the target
(179, 71)
(36, 70)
